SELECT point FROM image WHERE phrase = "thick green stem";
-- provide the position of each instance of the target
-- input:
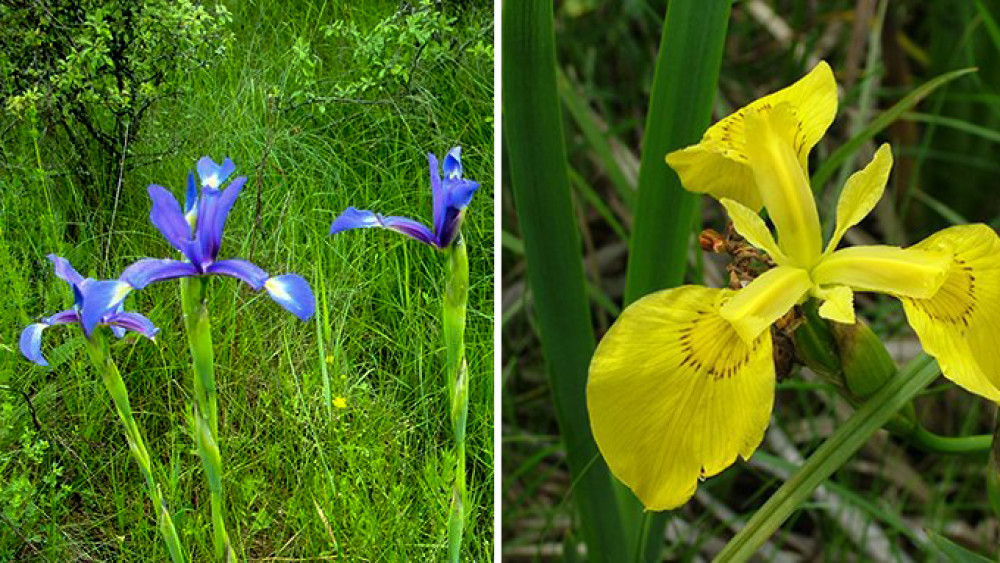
(194, 300)
(119, 395)
(455, 298)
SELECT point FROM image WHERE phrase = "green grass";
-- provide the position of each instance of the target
(369, 482)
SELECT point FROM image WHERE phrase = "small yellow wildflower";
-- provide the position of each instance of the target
(340, 402)
(683, 382)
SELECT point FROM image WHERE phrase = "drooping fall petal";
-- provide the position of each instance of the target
(675, 394)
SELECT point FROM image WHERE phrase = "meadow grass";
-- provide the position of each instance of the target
(303, 478)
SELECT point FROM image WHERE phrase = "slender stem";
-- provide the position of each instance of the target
(194, 300)
(119, 395)
(455, 299)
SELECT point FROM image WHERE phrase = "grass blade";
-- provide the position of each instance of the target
(885, 119)
(687, 73)
(533, 136)
(680, 108)
(835, 451)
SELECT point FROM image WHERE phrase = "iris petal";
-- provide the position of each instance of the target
(210, 229)
(438, 193)
(674, 394)
(64, 270)
(134, 322)
(960, 323)
(241, 270)
(718, 164)
(148, 270)
(166, 215)
(214, 175)
(838, 303)
(911, 272)
(751, 227)
(753, 309)
(861, 193)
(68, 316)
(101, 298)
(453, 164)
(292, 292)
(353, 218)
(31, 343)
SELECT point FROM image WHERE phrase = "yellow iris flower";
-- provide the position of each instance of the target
(683, 382)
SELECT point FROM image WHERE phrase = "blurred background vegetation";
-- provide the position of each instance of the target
(323, 105)
(891, 499)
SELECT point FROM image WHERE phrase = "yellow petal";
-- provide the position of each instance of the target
(783, 185)
(838, 303)
(755, 307)
(960, 324)
(719, 165)
(674, 394)
(861, 192)
(712, 168)
(748, 224)
(910, 272)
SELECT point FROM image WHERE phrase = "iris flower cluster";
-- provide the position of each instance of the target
(683, 382)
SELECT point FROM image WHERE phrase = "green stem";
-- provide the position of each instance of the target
(455, 298)
(194, 300)
(931, 442)
(119, 395)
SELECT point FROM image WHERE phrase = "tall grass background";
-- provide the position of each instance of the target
(895, 64)
(304, 479)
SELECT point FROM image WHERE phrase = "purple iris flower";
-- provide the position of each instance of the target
(119, 320)
(451, 196)
(197, 234)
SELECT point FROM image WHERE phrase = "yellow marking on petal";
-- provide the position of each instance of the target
(718, 164)
(909, 272)
(211, 181)
(861, 193)
(960, 323)
(122, 290)
(277, 289)
(838, 303)
(783, 185)
(753, 309)
(674, 394)
(751, 227)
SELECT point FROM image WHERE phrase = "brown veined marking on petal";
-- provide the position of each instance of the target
(955, 302)
(712, 346)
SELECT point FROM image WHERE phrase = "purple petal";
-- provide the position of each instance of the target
(353, 218)
(240, 269)
(101, 298)
(118, 331)
(458, 195)
(64, 270)
(191, 197)
(453, 164)
(292, 292)
(166, 215)
(134, 322)
(212, 218)
(214, 175)
(149, 270)
(438, 193)
(31, 343)
(68, 316)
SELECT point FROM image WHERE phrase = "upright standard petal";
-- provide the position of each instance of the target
(674, 394)
(31, 343)
(214, 175)
(453, 164)
(134, 322)
(148, 270)
(753, 309)
(191, 201)
(861, 193)
(293, 293)
(212, 219)
(718, 164)
(783, 184)
(241, 270)
(959, 324)
(910, 272)
(64, 270)
(165, 214)
(102, 297)
(353, 218)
